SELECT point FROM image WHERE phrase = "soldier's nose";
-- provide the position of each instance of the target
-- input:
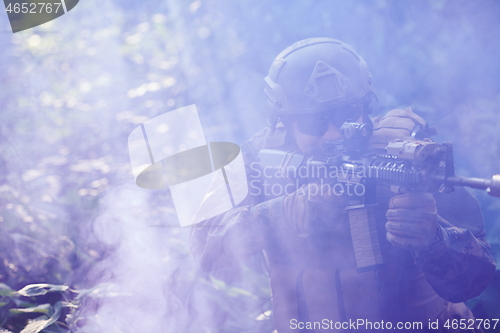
(332, 133)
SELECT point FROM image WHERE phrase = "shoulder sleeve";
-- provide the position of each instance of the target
(458, 264)
(222, 243)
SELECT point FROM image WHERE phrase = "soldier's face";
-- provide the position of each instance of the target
(308, 142)
(312, 130)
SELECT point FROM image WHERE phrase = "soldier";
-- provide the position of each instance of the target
(433, 244)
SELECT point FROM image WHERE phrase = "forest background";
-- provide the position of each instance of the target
(107, 255)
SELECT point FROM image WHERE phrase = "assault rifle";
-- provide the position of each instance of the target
(407, 165)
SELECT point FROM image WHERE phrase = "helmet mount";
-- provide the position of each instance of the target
(326, 83)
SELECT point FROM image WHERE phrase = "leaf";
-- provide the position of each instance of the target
(234, 292)
(36, 325)
(102, 290)
(41, 289)
(231, 291)
(22, 304)
(264, 315)
(7, 291)
(40, 323)
(42, 308)
(55, 329)
(69, 305)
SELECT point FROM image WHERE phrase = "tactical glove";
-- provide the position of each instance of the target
(313, 209)
(412, 221)
(398, 124)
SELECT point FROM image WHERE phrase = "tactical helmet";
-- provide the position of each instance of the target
(315, 75)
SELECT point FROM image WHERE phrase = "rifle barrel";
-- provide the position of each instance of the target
(492, 186)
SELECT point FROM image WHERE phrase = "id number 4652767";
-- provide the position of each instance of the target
(34, 8)
(464, 324)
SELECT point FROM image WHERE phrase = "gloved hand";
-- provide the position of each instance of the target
(412, 221)
(397, 124)
(313, 209)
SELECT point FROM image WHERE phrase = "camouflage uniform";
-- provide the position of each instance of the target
(314, 278)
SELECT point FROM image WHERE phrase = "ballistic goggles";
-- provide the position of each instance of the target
(316, 124)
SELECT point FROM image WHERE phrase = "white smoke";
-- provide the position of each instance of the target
(130, 281)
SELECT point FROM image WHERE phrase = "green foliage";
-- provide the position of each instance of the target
(40, 289)
(18, 307)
